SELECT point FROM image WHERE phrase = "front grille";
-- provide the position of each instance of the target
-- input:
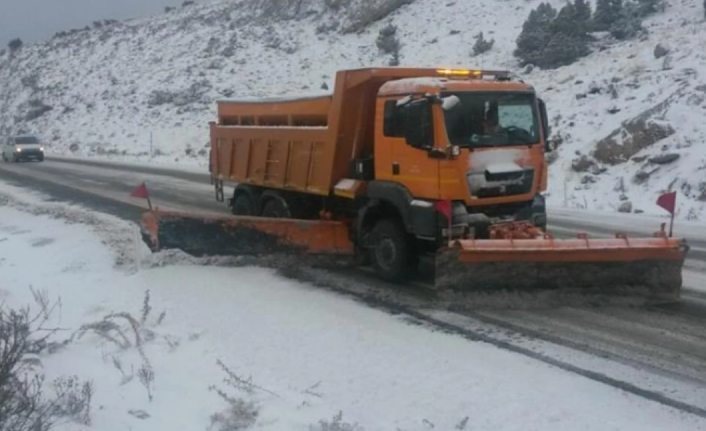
(517, 188)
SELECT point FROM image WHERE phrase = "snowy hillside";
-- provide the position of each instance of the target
(113, 89)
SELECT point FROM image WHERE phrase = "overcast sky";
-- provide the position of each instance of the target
(35, 20)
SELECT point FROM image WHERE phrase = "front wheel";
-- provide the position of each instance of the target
(391, 253)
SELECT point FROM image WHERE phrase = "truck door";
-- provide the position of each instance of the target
(400, 162)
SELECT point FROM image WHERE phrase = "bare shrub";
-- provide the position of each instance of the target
(239, 413)
(336, 424)
(370, 11)
(335, 5)
(388, 43)
(125, 331)
(30, 81)
(146, 376)
(195, 93)
(634, 136)
(582, 164)
(482, 45)
(23, 405)
(37, 109)
(240, 383)
(15, 44)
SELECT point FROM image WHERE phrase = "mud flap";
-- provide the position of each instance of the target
(647, 268)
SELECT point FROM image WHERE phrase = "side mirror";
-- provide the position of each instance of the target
(545, 124)
(418, 124)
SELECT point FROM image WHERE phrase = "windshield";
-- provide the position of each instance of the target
(490, 119)
(26, 140)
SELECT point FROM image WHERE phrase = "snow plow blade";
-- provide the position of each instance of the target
(243, 236)
(646, 268)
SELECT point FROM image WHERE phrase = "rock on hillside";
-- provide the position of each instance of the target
(112, 89)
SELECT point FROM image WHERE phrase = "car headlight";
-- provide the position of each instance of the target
(19, 150)
(41, 148)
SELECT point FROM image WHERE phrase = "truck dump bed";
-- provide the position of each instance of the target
(282, 144)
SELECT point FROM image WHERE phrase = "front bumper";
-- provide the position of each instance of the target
(29, 154)
(476, 223)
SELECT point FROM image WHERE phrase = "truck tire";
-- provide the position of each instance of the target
(242, 205)
(391, 252)
(274, 208)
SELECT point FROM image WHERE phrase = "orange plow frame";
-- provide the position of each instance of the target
(517, 257)
(645, 267)
(204, 235)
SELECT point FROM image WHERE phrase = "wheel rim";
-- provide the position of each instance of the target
(385, 253)
(275, 210)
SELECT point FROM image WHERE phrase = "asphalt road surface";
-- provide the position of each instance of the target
(668, 343)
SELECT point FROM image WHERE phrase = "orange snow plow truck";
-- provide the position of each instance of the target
(402, 163)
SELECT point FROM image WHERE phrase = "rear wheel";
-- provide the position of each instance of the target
(242, 205)
(391, 254)
(275, 208)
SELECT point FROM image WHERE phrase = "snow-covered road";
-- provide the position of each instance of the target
(381, 371)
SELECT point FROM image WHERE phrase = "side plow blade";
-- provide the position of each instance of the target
(239, 236)
(646, 268)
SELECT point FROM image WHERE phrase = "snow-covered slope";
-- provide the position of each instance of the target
(115, 89)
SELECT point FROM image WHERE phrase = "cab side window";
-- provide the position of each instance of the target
(393, 120)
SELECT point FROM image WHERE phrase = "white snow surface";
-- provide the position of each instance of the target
(311, 353)
(117, 88)
(501, 168)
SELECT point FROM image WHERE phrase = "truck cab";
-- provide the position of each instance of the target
(476, 143)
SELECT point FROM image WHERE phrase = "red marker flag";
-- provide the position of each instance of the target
(141, 192)
(444, 207)
(668, 201)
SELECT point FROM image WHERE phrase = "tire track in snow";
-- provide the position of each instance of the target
(380, 299)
